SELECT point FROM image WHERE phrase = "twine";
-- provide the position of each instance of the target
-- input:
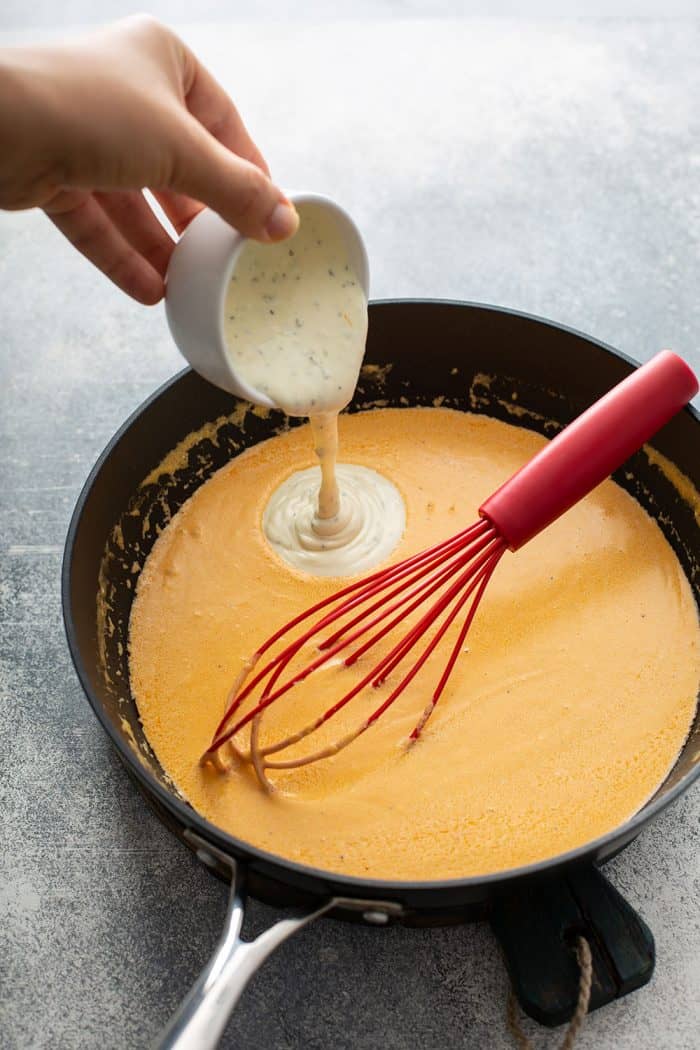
(585, 962)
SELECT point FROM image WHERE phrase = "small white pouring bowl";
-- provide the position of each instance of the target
(198, 277)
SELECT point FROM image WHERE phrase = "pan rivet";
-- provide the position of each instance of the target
(377, 918)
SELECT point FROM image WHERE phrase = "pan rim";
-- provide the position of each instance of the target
(279, 866)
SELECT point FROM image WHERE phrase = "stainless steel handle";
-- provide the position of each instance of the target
(202, 1017)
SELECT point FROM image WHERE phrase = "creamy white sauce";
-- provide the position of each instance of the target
(369, 524)
(295, 318)
(295, 325)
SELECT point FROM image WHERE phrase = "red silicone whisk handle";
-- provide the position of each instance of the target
(590, 448)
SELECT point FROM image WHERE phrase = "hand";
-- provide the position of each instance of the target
(85, 126)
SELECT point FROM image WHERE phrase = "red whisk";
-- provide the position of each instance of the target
(454, 573)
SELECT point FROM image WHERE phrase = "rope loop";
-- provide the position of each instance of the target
(585, 962)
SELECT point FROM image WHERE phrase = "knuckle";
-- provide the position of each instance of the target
(123, 270)
(218, 127)
(144, 23)
(158, 40)
(158, 252)
(252, 193)
(38, 190)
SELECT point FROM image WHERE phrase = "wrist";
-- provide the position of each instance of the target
(29, 128)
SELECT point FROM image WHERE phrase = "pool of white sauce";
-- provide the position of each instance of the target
(367, 528)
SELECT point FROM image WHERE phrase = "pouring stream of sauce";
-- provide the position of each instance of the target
(324, 428)
(295, 327)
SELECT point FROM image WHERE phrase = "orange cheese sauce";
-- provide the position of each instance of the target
(562, 718)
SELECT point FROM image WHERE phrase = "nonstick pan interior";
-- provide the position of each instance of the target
(474, 358)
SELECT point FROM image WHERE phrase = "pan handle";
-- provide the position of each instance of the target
(536, 926)
(199, 1022)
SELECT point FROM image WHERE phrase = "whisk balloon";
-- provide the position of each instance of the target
(414, 603)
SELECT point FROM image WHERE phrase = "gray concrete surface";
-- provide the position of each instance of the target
(549, 166)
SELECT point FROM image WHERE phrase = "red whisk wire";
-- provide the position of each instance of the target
(421, 626)
(383, 575)
(457, 648)
(367, 588)
(473, 555)
(480, 581)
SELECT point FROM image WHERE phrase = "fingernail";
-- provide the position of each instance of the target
(282, 223)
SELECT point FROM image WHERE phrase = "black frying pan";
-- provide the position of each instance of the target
(535, 910)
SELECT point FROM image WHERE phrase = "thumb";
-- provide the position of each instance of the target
(238, 190)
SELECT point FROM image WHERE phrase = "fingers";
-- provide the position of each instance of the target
(238, 190)
(131, 214)
(211, 106)
(81, 219)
